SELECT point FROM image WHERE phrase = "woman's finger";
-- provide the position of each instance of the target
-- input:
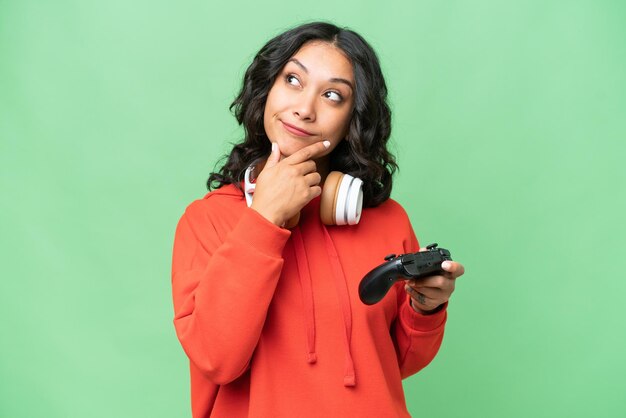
(308, 153)
(274, 157)
(313, 179)
(306, 167)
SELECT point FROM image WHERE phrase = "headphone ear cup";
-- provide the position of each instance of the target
(342, 199)
(349, 201)
(328, 200)
(354, 201)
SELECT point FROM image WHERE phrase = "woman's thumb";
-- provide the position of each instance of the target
(274, 157)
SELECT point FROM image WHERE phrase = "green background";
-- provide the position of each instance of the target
(510, 126)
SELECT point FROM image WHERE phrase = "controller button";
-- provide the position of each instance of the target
(390, 257)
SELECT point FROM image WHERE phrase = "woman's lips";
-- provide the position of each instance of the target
(295, 131)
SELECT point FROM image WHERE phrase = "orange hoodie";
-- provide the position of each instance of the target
(271, 318)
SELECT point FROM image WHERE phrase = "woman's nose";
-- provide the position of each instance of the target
(304, 107)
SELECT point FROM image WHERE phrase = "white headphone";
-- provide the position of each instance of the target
(341, 201)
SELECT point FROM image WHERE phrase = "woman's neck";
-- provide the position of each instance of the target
(323, 167)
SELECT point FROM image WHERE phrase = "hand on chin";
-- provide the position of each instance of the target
(290, 146)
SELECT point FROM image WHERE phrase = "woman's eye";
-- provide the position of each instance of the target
(334, 96)
(293, 80)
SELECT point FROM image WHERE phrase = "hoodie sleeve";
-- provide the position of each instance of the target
(222, 286)
(417, 337)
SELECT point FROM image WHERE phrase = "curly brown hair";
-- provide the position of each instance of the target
(362, 154)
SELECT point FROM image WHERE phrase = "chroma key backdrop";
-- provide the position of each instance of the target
(509, 122)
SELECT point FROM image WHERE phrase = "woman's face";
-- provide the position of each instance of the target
(311, 99)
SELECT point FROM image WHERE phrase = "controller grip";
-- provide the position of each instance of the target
(375, 285)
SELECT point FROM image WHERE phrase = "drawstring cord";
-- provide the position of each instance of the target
(307, 293)
(349, 378)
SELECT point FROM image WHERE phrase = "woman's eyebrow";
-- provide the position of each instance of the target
(342, 80)
(332, 80)
(299, 64)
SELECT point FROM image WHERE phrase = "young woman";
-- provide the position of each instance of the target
(265, 281)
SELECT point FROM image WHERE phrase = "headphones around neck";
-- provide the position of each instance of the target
(340, 203)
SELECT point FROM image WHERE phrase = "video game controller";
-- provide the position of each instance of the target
(375, 284)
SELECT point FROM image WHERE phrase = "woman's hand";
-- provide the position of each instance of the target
(286, 185)
(429, 293)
